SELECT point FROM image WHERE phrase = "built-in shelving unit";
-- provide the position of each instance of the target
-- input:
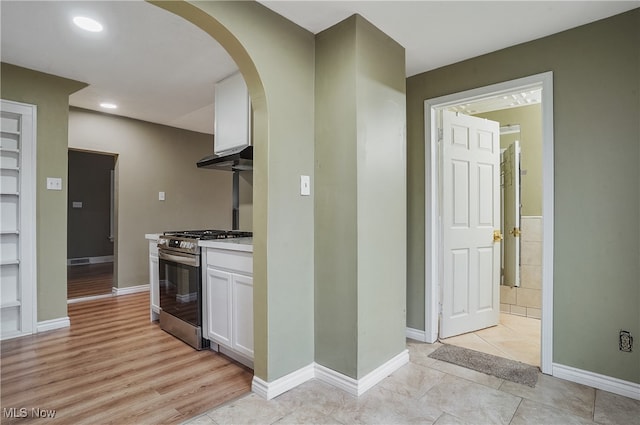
(17, 189)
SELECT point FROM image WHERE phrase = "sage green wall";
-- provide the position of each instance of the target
(51, 95)
(596, 75)
(360, 161)
(276, 58)
(530, 120)
(152, 158)
(336, 209)
(382, 197)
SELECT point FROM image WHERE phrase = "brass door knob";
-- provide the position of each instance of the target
(497, 236)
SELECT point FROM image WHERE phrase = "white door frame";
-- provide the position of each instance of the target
(433, 243)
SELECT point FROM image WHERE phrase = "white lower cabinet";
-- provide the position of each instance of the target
(154, 280)
(229, 301)
(242, 323)
(219, 306)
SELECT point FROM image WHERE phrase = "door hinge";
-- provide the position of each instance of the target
(440, 134)
(515, 232)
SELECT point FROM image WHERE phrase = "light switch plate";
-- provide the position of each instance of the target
(54, 183)
(305, 186)
(160, 196)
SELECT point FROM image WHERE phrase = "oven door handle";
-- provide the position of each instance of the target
(186, 259)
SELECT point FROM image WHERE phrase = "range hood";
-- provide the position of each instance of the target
(238, 161)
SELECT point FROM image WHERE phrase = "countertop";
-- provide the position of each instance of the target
(235, 244)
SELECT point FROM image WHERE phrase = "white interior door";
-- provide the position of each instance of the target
(511, 210)
(17, 220)
(470, 197)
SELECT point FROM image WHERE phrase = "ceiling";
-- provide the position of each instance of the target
(160, 68)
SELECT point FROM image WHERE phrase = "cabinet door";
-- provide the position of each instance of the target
(243, 315)
(232, 114)
(154, 286)
(219, 306)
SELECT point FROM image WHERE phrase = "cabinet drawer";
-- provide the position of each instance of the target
(230, 260)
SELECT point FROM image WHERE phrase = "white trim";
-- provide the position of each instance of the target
(49, 325)
(129, 290)
(548, 218)
(416, 334)
(595, 380)
(433, 256)
(28, 269)
(81, 261)
(269, 390)
(355, 387)
(90, 298)
(337, 379)
(373, 378)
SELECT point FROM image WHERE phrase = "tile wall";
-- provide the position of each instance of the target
(526, 300)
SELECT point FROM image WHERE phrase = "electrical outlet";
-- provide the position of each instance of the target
(626, 341)
(54, 183)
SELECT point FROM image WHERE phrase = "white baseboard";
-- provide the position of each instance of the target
(49, 325)
(130, 290)
(337, 379)
(356, 387)
(89, 260)
(416, 334)
(269, 390)
(381, 372)
(91, 298)
(595, 380)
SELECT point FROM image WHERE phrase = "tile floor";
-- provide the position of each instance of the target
(515, 338)
(428, 391)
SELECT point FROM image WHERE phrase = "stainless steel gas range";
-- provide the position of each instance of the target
(180, 277)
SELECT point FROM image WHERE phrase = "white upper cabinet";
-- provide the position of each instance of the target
(232, 115)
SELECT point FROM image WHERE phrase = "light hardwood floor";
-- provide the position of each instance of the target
(113, 366)
(89, 280)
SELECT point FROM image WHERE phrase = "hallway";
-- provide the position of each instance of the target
(89, 280)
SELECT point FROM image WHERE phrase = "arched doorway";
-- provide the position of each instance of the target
(276, 59)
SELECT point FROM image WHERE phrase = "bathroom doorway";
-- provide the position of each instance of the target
(507, 104)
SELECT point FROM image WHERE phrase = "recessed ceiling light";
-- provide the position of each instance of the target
(87, 24)
(108, 105)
